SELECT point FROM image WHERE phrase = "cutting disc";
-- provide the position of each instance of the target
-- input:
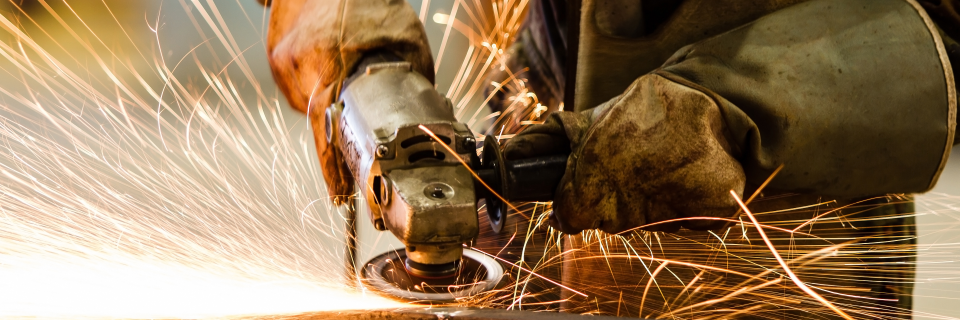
(387, 275)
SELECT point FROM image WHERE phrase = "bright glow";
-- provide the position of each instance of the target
(441, 18)
(127, 193)
(539, 110)
(152, 289)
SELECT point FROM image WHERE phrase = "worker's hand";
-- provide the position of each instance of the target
(314, 45)
(806, 89)
(655, 153)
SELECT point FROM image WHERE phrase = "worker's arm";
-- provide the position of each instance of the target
(313, 45)
(852, 98)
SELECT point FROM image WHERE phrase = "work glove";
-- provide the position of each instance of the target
(656, 152)
(852, 98)
(314, 45)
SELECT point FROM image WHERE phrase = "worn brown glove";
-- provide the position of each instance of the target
(655, 153)
(313, 45)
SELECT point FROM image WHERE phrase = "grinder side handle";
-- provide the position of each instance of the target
(530, 179)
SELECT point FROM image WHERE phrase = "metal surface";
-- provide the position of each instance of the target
(434, 314)
(385, 274)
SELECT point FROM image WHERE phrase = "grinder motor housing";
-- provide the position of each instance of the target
(413, 187)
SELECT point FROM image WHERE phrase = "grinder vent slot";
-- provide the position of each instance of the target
(421, 139)
(378, 190)
(426, 154)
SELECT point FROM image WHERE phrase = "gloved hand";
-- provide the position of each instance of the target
(314, 45)
(853, 98)
(657, 152)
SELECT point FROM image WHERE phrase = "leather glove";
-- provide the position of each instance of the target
(656, 152)
(853, 98)
(314, 45)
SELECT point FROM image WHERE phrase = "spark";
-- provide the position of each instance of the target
(783, 264)
(153, 289)
(653, 277)
(833, 211)
(441, 18)
(173, 183)
(141, 189)
(533, 273)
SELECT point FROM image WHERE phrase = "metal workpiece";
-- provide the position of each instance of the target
(436, 314)
(534, 179)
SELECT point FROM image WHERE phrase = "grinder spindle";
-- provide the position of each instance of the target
(531, 179)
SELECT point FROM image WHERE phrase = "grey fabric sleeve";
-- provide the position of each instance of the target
(852, 97)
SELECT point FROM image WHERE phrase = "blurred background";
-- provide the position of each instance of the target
(117, 44)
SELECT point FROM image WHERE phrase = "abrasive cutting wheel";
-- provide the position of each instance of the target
(387, 275)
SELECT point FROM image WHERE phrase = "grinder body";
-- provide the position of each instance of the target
(414, 187)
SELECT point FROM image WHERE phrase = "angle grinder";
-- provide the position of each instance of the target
(404, 146)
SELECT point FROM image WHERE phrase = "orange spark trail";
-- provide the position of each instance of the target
(765, 183)
(671, 261)
(531, 272)
(653, 276)
(783, 264)
(715, 219)
(832, 211)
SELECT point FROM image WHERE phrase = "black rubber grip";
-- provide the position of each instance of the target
(534, 179)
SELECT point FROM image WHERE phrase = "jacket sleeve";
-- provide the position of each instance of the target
(853, 98)
(314, 44)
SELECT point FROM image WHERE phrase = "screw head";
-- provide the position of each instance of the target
(437, 193)
(382, 151)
